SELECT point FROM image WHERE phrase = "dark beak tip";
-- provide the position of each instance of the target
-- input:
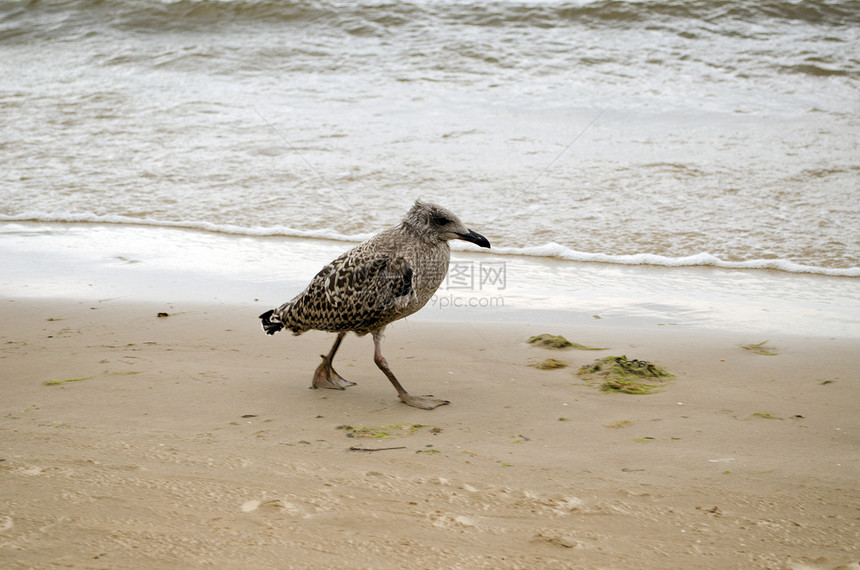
(476, 239)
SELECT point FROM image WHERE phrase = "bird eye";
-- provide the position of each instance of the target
(440, 220)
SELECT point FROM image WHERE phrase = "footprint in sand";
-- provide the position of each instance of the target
(272, 505)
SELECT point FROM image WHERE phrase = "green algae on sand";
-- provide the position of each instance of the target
(549, 364)
(557, 342)
(766, 416)
(618, 374)
(60, 382)
(760, 348)
(383, 432)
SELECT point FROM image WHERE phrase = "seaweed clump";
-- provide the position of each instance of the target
(550, 341)
(549, 364)
(557, 342)
(618, 374)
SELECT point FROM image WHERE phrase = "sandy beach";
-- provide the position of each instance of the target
(192, 440)
(669, 185)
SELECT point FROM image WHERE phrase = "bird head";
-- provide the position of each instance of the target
(435, 222)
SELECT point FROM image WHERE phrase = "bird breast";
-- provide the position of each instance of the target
(429, 268)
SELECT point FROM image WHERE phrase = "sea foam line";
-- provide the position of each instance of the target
(549, 250)
(277, 231)
(558, 251)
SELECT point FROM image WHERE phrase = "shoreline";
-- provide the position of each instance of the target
(101, 262)
(192, 440)
(552, 252)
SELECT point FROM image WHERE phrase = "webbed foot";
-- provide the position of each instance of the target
(325, 376)
(423, 402)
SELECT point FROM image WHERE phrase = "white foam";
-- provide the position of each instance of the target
(274, 231)
(550, 250)
(701, 259)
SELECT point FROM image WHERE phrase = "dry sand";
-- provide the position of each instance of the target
(193, 440)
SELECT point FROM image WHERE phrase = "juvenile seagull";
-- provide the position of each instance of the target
(386, 278)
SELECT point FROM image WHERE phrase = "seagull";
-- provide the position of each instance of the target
(386, 278)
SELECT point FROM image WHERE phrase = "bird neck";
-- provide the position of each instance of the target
(430, 238)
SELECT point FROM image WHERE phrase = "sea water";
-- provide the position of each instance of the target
(635, 132)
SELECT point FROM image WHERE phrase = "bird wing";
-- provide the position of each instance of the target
(358, 292)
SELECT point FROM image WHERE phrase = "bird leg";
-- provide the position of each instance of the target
(423, 402)
(325, 375)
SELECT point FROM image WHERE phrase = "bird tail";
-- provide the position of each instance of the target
(271, 322)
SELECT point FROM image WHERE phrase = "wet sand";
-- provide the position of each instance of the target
(193, 440)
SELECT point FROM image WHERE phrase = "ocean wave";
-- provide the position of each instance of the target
(549, 250)
(558, 251)
(278, 231)
(817, 70)
(52, 19)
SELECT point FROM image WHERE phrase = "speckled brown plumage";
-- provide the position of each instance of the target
(384, 279)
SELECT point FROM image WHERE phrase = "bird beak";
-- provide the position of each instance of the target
(475, 238)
